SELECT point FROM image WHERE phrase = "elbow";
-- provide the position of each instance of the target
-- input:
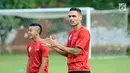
(76, 54)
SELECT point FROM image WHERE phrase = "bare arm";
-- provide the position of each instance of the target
(62, 49)
(44, 63)
(63, 53)
(73, 51)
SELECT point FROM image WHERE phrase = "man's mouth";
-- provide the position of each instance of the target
(71, 22)
(29, 35)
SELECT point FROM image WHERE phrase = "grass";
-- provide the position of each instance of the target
(17, 64)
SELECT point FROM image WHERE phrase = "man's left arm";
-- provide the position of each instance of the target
(74, 51)
(44, 63)
(45, 55)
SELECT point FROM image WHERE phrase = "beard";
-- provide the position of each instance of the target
(74, 25)
(30, 38)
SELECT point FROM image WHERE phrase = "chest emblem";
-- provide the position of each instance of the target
(29, 49)
(70, 37)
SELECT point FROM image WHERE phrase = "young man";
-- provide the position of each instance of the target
(37, 52)
(77, 48)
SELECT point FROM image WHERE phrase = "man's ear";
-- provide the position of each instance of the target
(81, 17)
(38, 30)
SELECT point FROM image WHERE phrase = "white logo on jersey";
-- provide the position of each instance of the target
(29, 49)
(70, 37)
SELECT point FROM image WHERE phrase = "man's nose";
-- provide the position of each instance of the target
(71, 18)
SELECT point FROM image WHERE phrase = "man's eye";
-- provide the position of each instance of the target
(69, 15)
(72, 15)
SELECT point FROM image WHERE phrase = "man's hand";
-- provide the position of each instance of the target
(51, 42)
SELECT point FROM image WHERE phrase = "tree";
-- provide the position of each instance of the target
(17, 4)
(97, 4)
(8, 23)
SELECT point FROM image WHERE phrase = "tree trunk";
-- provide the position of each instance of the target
(3, 49)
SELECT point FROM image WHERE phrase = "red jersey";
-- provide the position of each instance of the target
(79, 38)
(36, 50)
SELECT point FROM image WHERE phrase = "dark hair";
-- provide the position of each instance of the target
(76, 9)
(36, 24)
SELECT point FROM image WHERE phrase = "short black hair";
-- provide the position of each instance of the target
(36, 24)
(76, 9)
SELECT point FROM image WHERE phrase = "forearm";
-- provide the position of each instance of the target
(63, 53)
(73, 51)
(42, 67)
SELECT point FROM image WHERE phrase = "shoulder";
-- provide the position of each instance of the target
(71, 31)
(84, 31)
(29, 44)
(43, 46)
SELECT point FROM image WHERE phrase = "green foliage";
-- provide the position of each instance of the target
(6, 25)
(9, 21)
(17, 4)
(97, 4)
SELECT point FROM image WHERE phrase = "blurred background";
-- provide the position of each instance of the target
(107, 20)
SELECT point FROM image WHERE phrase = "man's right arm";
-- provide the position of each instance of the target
(63, 53)
(54, 48)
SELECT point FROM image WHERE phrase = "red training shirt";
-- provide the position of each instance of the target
(36, 50)
(79, 38)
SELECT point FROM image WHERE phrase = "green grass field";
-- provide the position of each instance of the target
(17, 64)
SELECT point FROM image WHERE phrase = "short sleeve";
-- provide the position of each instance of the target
(83, 39)
(68, 42)
(45, 51)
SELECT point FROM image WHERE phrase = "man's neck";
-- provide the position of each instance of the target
(77, 27)
(37, 39)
